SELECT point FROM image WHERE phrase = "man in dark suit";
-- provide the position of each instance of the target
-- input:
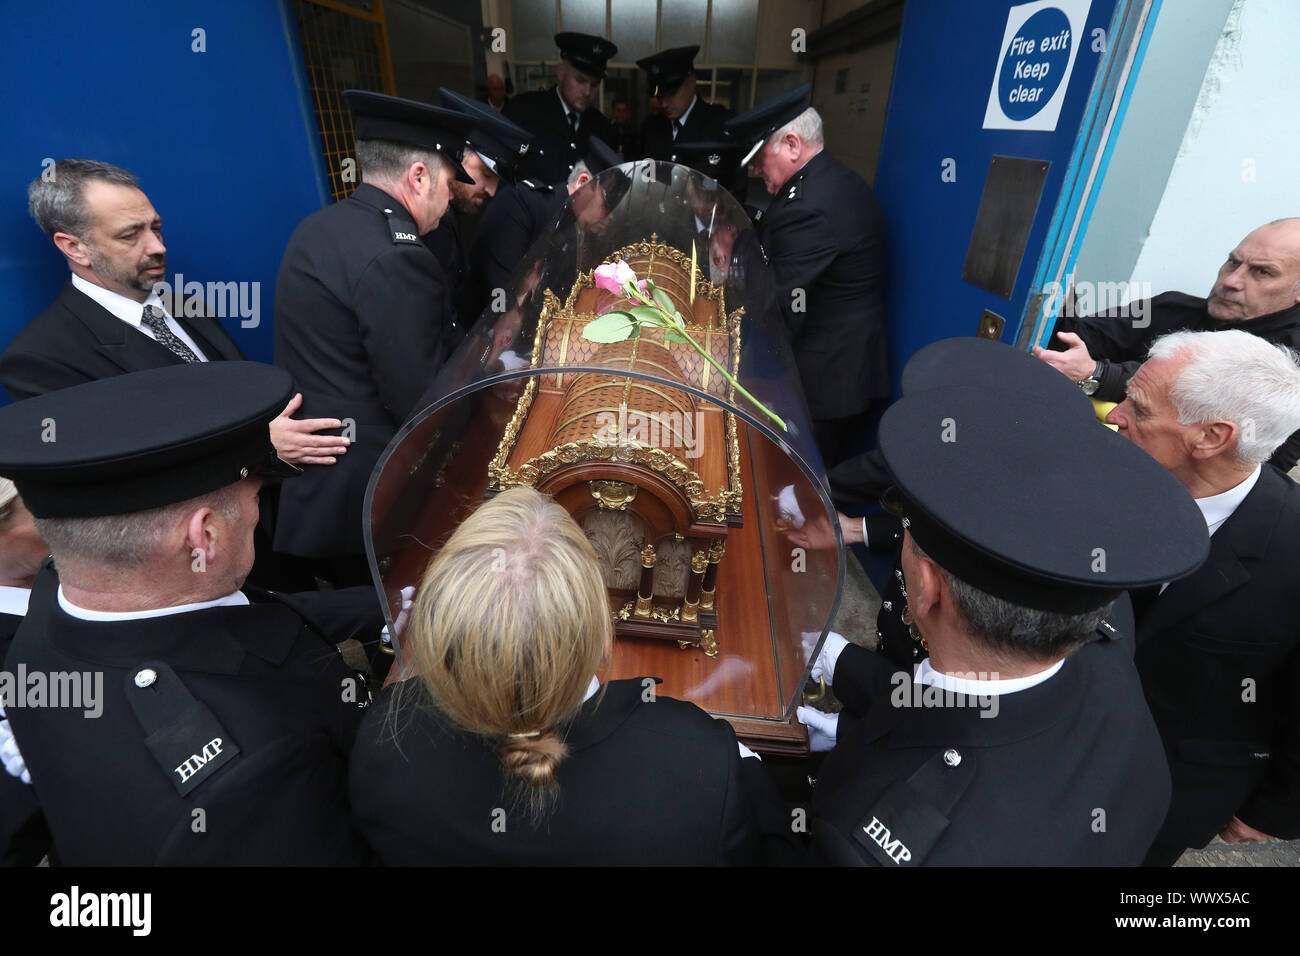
(109, 319)
(685, 117)
(824, 234)
(626, 139)
(1023, 739)
(363, 316)
(1257, 290)
(565, 116)
(1219, 651)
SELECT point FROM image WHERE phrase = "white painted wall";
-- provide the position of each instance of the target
(1239, 163)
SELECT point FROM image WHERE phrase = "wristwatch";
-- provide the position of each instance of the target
(1093, 381)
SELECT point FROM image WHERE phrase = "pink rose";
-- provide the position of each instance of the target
(613, 275)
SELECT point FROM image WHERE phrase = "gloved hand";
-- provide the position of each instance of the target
(824, 665)
(822, 728)
(13, 760)
(788, 507)
(408, 598)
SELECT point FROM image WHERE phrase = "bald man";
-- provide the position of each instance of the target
(1257, 290)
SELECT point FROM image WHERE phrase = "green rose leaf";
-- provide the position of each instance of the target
(643, 313)
(610, 327)
(663, 301)
(671, 336)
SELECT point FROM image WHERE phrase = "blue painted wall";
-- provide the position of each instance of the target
(947, 57)
(223, 141)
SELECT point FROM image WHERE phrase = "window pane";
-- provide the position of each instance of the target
(533, 23)
(732, 34)
(583, 16)
(683, 23)
(731, 89)
(632, 25)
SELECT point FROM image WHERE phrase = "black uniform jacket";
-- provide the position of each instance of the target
(1069, 772)
(517, 217)
(1123, 339)
(704, 124)
(251, 708)
(1219, 655)
(542, 114)
(647, 782)
(24, 838)
(363, 321)
(824, 235)
(77, 340)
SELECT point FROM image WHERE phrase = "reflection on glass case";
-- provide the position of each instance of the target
(682, 450)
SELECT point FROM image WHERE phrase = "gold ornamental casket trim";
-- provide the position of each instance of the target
(705, 507)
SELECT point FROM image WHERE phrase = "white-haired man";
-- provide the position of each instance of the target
(824, 234)
(1219, 652)
(1257, 290)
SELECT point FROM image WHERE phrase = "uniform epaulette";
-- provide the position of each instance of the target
(401, 231)
(186, 739)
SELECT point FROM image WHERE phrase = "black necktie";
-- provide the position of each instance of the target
(573, 121)
(677, 128)
(156, 323)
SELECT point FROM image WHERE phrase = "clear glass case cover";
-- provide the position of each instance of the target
(663, 411)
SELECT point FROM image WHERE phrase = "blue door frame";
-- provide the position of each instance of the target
(936, 154)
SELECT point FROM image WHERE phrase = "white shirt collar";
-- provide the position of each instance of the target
(925, 674)
(682, 119)
(128, 310)
(14, 600)
(592, 688)
(233, 599)
(1219, 508)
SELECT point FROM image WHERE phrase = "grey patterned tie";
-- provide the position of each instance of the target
(156, 322)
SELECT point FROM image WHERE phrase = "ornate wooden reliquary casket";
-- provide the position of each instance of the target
(650, 472)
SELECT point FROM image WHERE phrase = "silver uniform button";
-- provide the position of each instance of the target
(387, 211)
(888, 605)
(146, 677)
(951, 757)
(243, 473)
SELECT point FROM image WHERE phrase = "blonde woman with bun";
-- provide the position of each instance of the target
(508, 749)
